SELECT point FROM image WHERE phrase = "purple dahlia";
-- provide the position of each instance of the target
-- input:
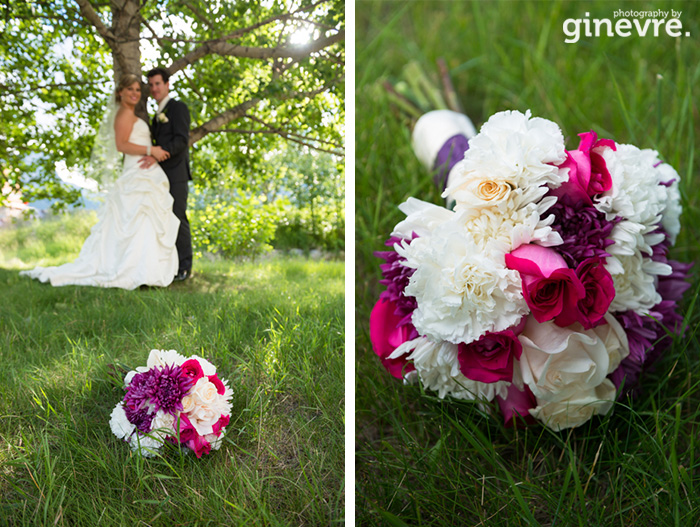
(583, 228)
(396, 278)
(159, 388)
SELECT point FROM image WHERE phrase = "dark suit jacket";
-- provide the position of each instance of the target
(174, 137)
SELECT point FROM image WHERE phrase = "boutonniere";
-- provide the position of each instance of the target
(161, 117)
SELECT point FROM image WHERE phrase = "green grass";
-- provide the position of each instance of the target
(274, 329)
(423, 461)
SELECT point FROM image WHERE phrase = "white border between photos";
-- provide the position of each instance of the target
(350, 263)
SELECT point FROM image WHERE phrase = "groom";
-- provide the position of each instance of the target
(170, 130)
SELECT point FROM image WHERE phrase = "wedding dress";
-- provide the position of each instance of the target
(133, 241)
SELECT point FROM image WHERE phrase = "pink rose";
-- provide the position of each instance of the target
(192, 369)
(214, 379)
(517, 405)
(191, 439)
(187, 430)
(588, 172)
(550, 288)
(199, 445)
(221, 424)
(386, 335)
(600, 291)
(490, 359)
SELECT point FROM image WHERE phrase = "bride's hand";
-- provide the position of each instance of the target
(159, 153)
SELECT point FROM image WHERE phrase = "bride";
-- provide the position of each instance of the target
(133, 241)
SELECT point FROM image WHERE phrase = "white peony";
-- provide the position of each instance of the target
(437, 366)
(462, 290)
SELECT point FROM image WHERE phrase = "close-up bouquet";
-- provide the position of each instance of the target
(175, 399)
(544, 285)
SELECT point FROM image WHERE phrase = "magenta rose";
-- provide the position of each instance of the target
(220, 388)
(588, 172)
(221, 424)
(490, 359)
(387, 333)
(199, 445)
(187, 430)
(600, 291)
(516, 406)
(192, 369)
(552, 290)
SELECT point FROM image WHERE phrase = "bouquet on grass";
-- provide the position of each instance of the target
(176, 399)
(546, 286)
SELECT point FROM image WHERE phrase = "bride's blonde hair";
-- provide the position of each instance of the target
(126, 81)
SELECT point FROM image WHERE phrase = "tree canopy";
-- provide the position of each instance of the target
(252, 72)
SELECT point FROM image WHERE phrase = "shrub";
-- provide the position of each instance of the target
(243, 225)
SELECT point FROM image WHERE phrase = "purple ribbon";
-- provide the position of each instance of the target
(451, 153)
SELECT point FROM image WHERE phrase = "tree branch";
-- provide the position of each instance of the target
(287, 137)
(226, 49)
(199, 14)
(286, 134)
(222, 119)
(94, 19)
(4, 89)
(311, 93)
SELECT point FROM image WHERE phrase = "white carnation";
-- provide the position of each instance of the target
(635, 278)
(508, 232)
(462, 290)
(120, 425)
(437, 366)
(422, 218)
(508, 163)
(637, 192)
(163, 358)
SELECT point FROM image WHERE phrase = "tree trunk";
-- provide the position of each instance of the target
(126, 27)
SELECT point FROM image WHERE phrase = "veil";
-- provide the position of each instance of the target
(105, 160)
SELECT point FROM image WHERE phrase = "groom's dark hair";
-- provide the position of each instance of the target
(159, 71)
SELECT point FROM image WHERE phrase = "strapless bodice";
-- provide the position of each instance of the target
(140, 133)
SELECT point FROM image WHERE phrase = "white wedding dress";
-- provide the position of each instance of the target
(133, 241)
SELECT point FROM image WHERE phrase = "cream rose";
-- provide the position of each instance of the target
(492, 190)
(614, 339)
(188, 403)
(560, 363)
(204, 391)
(576, 410)
(203, 419)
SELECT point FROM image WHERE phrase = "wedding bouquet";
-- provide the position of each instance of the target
(176, 399)
(546, 285)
